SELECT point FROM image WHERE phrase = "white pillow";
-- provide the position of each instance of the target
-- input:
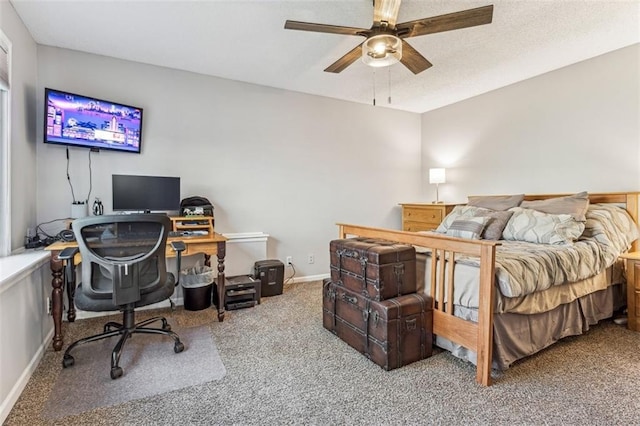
(542, 228)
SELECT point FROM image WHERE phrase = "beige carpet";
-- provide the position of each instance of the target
(150, 367)
(283, 367)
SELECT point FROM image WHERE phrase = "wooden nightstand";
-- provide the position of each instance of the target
(424, 216)
(633, 289)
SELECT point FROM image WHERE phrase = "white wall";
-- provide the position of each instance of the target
(283, 163)
(22, 122)
(573, 129)
(25, 329)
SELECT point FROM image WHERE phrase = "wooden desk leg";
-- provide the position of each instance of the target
(221, 249)
(56, 299)
(71, 292)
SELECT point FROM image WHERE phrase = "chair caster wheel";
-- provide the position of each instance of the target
(116, 372)
(178, 347)
(67, 361)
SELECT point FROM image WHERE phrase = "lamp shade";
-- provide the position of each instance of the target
(381, 50)
(436, 176)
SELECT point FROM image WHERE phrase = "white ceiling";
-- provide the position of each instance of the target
(246, 41)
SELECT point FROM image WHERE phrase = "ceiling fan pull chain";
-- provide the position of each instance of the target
(389, 100)
(374, 87)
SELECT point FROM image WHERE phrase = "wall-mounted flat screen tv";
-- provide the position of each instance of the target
(83, 121)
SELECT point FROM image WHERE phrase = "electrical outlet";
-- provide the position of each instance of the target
(289, 260)
(310, 258)
(47, 306)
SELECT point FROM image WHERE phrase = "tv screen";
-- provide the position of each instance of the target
(145, 193)
(76, 120)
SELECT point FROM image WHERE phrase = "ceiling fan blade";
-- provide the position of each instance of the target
(346, 60)
(386, 11)
(451, 21)
(413, 60)
(323, 28)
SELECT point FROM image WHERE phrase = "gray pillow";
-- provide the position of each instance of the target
(459, 212)
(496, 202)
(494, 227)
(576, 205)
(469, 227)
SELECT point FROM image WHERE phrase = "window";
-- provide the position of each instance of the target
(5, 173)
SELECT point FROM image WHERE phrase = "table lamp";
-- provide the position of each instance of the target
(437, 176)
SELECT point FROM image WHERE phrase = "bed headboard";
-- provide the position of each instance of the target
(630, 201)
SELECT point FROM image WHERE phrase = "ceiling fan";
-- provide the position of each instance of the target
(385, 44)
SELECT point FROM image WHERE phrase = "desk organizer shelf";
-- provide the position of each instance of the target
(196, 226)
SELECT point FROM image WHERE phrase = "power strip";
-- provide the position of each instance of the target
(35, 242)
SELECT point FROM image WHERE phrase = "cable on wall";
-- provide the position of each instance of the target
(73, 195)
(293, 274)
(90, 179)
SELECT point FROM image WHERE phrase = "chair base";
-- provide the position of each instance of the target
(125, 330)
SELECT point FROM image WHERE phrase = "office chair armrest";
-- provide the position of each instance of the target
(178, 247)
(68, 253)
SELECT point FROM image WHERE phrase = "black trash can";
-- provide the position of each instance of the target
(197, 284)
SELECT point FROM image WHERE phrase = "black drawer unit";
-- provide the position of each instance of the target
(242, 291)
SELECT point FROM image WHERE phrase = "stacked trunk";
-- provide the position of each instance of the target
(371, 303)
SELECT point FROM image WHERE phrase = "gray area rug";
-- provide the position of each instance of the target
(150, 368)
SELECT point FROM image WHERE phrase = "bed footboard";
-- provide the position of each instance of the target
(478, 336)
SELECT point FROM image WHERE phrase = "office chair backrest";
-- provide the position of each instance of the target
(122, 255)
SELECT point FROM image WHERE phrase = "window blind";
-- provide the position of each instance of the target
(4, 66)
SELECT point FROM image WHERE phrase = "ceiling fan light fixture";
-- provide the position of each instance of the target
(382, 50)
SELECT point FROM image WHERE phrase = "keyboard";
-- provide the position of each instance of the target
(197, 233)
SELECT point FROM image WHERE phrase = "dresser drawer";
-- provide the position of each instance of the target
(418, 226)
(428, 215)
(633, 290)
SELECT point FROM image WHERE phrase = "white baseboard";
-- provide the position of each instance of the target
(14, 394)
(308, 278)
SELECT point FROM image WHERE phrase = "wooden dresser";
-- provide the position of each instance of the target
(633, 290)
(423, 216)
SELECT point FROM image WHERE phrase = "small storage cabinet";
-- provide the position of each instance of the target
(633, 289)
(424, 216)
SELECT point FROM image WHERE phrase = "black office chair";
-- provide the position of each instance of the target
(123, 267)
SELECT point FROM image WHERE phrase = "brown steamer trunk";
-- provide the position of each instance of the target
(375, 268)
(391, 333)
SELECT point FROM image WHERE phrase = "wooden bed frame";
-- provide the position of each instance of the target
(478, 336)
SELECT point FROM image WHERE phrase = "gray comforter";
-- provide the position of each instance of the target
(523, 268)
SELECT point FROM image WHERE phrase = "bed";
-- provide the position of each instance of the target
(492, 323)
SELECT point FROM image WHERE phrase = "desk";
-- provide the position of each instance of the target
(209, 246)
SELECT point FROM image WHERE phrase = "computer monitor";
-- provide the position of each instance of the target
(146, 193)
